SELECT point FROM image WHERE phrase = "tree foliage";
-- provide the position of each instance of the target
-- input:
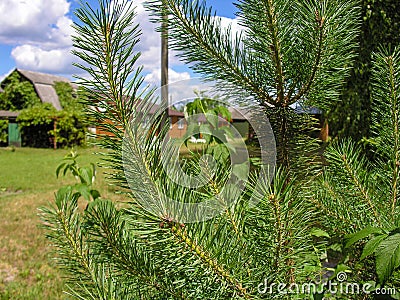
(145, 248)
(360, 192)
(37, 126)
(3, 131)
(41, 123)
(18, 93)
(290, 51)
(70, 99)
(215, 127)
(351, 117)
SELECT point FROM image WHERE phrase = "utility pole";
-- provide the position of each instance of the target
(164, 64)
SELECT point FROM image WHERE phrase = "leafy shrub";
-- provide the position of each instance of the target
(3, 131)
(18, 94)
(37, 126)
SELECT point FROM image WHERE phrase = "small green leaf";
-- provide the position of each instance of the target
(396, 296)
(241, 171)
(228, 131)
(86, 175)
(336, 247)
(372, 245)
(67, 167)
(205, 129)
(95, 194)
(355, 237)
(84, 190)
(319, 233)
(93, 171)
(340, 269)
(212, 119)
(388, 257)
(59, 169)
(371, 285)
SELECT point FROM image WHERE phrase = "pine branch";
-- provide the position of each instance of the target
(348, 168)
(307, 86)
(385, 94)
(275, 48)
(63, 226)
(196, 34)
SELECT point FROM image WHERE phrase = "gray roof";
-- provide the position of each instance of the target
(42, 78)
(6, 114)
(301, 109)
(48, 94)
(44, 86)
(237, 114)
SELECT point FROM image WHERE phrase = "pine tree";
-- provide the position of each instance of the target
(363, 194)
(290, 51)
(148, 247)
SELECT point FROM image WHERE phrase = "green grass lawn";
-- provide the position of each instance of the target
(28, 181)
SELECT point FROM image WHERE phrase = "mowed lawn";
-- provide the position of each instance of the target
(28, 181)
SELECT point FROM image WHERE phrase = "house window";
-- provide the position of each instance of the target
(181, 123)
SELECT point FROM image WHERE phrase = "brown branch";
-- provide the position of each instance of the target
(181, 234)
(275, 49)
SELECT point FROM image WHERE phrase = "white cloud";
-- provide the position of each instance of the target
(34, 21)
(150, 40)
(155, 76)
(37, 59)
(40, 32)
(234, 23)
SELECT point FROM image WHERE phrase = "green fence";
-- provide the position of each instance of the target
(14, 135)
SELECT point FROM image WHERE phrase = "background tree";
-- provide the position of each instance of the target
(361, 194)
(3, 132)
(351, 117)
(18, 94)
(42, 123)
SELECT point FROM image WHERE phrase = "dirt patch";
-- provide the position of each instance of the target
(7, 192)
(7, 272)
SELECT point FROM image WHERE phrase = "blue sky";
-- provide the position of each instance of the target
(36, 35)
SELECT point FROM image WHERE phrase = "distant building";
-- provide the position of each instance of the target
(317, 114)
(43, 84)
(178, 123)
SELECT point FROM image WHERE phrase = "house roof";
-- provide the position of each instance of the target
(44, 85)
(48, 95)
(6, 114)
(155, 108)
(41, 78)
(301, 109)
